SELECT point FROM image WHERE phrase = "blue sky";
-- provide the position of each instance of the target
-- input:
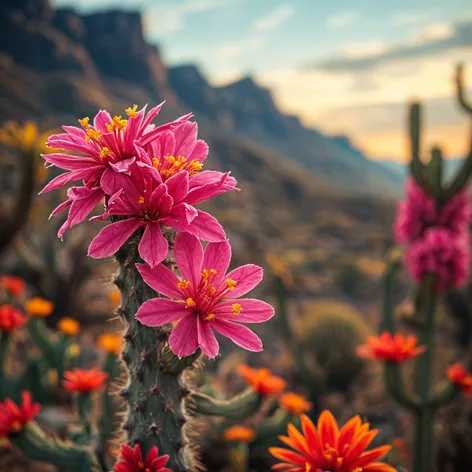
(343, 66)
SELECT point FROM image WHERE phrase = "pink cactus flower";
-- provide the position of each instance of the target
(442, 253)
(206, 298)
(418, 211)
(106, 147)
(149, 203)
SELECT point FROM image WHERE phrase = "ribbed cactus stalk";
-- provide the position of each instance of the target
(428, 197)
(155, 392)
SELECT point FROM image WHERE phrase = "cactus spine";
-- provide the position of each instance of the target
(154, 393)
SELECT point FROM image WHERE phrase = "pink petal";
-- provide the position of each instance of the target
(67, 177)
(161, 279)
(226, 183)
(160, 311)
(112, 237)
(239, 334)
(102, 118)
(61, 207)
(123, 166)
(69, 162)
(180, 216)
(163, 146)
(177, 186)
(217, 256)
(82, 207)
(183, 340)
(200, 151)
(148, 137)
(153, 247)
(111, 182)
(153, 112)
(74, 143)
(161, 200)
(206, 339)
(247, 277)
(206, 227)
(253, 311)
(185, 139)
(188, 253)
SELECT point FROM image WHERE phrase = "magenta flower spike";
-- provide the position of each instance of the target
(205, 300)
(105, 147)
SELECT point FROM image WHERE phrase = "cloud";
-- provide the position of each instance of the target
(409, 17)
(343, 19)
(274, 18)
(432, 40)
(170, 18)
(234, 49)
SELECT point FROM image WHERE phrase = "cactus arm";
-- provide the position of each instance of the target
(239, 407)
(34, 445)
(397, 389)
(460, 89)
(417, 168)
(38, 332)
(84, 403)
(156, 414)
(238, 457)
(19, 215)
(446, 393)
(435, 169)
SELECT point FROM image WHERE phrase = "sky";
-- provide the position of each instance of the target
(343, 66)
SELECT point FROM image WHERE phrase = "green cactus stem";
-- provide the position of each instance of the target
(460, 89)
(393, 261)
(237, 408)
(397, 389)
(446, 393)
(238, 457)
(422, 456)
(35, 445)
(84, 403)
(155, 395)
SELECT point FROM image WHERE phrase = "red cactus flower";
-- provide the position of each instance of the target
(132, 460)
(330, 448)
(13, 285)
(459, 376)
(397, 348)
(261, 380)
(83, 380)
(10, 318)
(13, 417)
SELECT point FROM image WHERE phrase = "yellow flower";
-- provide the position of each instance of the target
(115, 297)
(25, 137)
(68, 326)
(294, 404)
(39, 307)
(74, 350)
(110, 343)
(53, 377)
(239, 434)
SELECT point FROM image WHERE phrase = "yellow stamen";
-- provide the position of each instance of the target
(84, 122)
(141, 200)
(178, 164)
(213, 272)
(237, 308)
(230, 283)
(183, 284)
(156, 163)
(117, 124)
(132, 111)
(209, 317)
(104, 152)
(190, 303)
(211, 290)
(92, 133)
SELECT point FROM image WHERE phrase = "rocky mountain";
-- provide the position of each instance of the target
(57, 66)
(247, 109)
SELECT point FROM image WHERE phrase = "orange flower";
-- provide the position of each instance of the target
(294, 404)
(13, 285)
(10, 318)
(110, 343)
(327, 448)
(398, 348)
(261, 380)
(239, 434)
(459, 376)
(39, 307)
(68, 326)
(84, 381)
(13, 417)
(115, 297)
